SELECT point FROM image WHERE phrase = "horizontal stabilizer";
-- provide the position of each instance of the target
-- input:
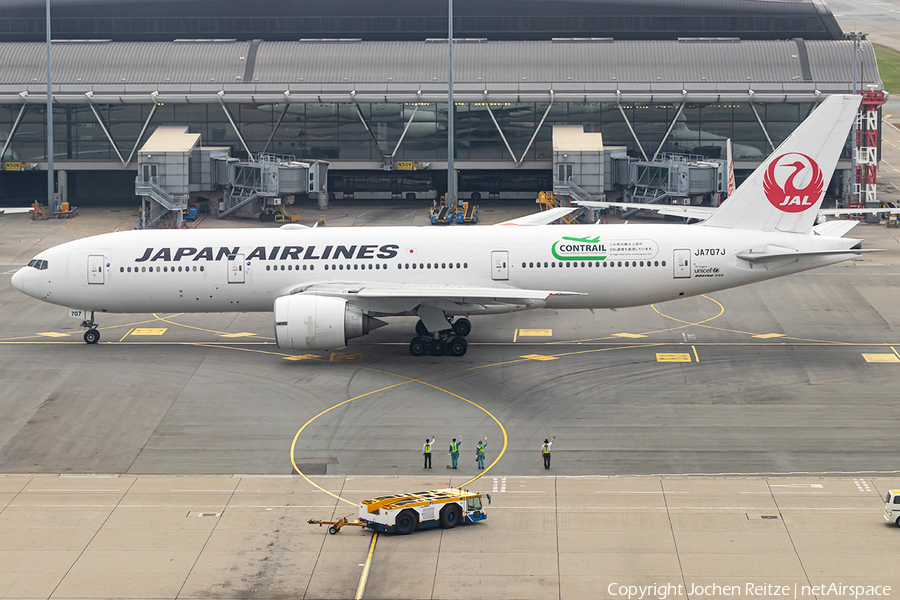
(769, 256)
(882, 210)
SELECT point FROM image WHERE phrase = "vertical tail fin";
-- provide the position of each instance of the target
(786, 191)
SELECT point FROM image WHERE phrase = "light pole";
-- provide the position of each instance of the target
(855, 192)
(51, 200)
(451, 172)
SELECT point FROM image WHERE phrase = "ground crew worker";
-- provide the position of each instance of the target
(454, 451)
(479, 452)
(545, 450)
(426, 452)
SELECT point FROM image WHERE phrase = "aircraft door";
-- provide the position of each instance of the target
(95, 269)
(500, 265)
(682, 264)
(236, 268)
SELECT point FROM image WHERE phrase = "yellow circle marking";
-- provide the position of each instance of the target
(297, 436)
(305, 425)
(653, 306)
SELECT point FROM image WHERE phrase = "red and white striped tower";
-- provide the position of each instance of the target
(865, 148)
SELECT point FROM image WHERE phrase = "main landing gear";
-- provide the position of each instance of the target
(449, 341)
(91, 336)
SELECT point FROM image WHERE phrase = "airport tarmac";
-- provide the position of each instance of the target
(545, 537)
(679, 427)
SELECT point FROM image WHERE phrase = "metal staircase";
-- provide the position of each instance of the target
(548, 200)
(238, 197)
(150, 187)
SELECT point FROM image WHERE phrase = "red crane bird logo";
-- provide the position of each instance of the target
(791, 198)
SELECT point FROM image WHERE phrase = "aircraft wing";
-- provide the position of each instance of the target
(689, 212)
(422, 292)
(542, 218)
(835, 228)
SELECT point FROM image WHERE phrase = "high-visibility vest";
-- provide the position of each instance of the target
(545, 448)
(454, 447)
(428, 447)
(481, 448)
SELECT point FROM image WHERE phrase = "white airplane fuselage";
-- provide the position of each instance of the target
(605, 266)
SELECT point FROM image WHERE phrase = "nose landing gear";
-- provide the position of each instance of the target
(91, 336)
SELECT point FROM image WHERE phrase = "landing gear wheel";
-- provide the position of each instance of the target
(91, 336)
(421, 330)
(458, 346)
(407, 521)
(418, 346)
(450, 516)
(332, 530)
(462, 327)
(437, 347)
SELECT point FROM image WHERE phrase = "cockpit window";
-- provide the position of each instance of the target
(38, 264)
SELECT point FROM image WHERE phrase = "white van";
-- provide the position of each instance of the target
(892, 507)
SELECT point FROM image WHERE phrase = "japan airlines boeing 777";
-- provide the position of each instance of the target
(328, 285)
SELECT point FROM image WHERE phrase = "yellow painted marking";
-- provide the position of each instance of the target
(673, 357)
(305, 425)
(536, 332)
(696, 356)
(345, 357)
(361, 588)
(629, 335)
(126, 334)
(149, 330)
(766, 336)
(894, 350)
(166, 320)
(53, 334)
(540, 357)
(302, 357)
(881, 358)
(237, 335)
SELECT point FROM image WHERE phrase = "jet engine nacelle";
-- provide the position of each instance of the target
(310, 322)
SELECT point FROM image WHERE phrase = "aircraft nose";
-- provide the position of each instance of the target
(18, 280)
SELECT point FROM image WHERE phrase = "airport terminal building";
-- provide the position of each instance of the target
(363, 86)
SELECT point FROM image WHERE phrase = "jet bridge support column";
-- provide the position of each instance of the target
(12, 131)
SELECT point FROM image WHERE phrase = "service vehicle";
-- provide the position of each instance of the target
(892, 507)
(404, 513)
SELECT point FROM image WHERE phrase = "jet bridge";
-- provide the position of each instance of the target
(675, 179)
(174, 169)
(262, 183)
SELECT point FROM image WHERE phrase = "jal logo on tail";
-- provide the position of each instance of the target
(793, 182)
